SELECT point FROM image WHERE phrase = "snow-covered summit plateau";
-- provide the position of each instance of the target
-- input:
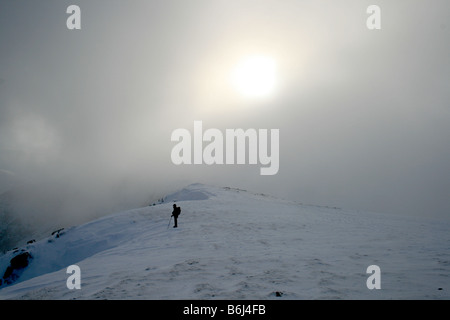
(234, 244)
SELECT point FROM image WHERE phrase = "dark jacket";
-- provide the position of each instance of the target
(176, 212)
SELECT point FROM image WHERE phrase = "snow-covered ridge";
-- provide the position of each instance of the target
(66, 247)
(234, 244)
(192, 192)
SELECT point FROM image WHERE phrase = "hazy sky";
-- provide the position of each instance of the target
(363, 114)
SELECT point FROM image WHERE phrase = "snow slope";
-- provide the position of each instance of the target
(233, 244)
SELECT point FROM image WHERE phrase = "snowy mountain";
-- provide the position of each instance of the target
(233, 244)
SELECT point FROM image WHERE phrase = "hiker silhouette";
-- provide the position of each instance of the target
(175, 213)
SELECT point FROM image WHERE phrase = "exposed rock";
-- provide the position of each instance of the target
(58, 233)
(16, 266)
(278, 294)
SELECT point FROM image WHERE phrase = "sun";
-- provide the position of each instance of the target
(255, 76)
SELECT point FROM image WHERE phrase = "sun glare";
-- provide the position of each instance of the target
(255, 76)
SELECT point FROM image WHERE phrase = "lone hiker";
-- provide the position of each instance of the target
(175, 213)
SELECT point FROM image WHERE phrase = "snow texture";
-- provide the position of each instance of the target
(233, 244)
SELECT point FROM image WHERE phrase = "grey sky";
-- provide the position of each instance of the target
(363, 115)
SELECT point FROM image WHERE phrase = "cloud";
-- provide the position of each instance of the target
(363, 116)
(7, 172)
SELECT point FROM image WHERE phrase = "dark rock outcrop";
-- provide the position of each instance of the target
(16, 266)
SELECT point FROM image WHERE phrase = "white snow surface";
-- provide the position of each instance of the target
(233, 244)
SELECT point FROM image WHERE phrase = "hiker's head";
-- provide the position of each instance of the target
(174, 205)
